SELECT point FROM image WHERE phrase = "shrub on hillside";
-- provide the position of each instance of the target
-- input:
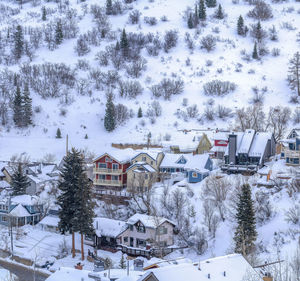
(218, 88)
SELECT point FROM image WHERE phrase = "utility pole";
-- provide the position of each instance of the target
(67, 144)
(11, 237)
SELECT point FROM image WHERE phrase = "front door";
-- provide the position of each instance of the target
(131, 242)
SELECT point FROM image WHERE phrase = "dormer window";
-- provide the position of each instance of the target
(140, 227)
(107, 159)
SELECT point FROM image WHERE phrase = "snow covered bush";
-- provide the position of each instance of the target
(208, 43)
(150, 20)
(223, 112)
(130, 89)
(121, 113)
(167, 88)
(81, 47)
(170, 40)
(134, 17)
(261, 11)
(192, 111)
(292, 216)
(135, 68)
(263, 207)
(218, 88)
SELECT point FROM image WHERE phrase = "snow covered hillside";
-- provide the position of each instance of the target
(73, 98)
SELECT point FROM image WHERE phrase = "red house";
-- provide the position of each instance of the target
(110, 171)
(220, 144)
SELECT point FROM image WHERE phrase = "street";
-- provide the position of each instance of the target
(23, 273)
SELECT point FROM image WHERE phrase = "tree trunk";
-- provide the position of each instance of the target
(73, 244)
(82, 248)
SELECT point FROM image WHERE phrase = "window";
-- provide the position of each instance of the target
(140, 242)
(102, 177)
(125, 239)
(131, 227)
(107, 159)
(162, 230)
(101, 165)
(4, 218)
(115, 166)
(115, 178)
(140, 227)
(194, 175)
(151, 162)
(146, 176)
(144, 158)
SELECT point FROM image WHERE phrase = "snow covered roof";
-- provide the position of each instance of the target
(25, 199)
(140, 167)
(246, 141)
(4, 184)
(109, 227)
(120, 155)
(221, 136)
(50, 220)
(153, 153)
(148, 221)
(72, 274)
(259, 144)
(19, 211)
(197, 162)
(231, 267)
(171, 159)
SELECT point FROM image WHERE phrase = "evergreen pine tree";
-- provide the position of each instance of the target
(18, 42)
(84, 211)
(70, 179)
(245, 233)
(124, 43)
(196, 18)
(190, 22)
(140, 113)
(109, 118)
(202, 10)
(86, 136)
(44, 14)
(19, 181)
(18, 108)
(58, 33)
(108, 7)
(255, 53)
(240, 26)
(58, 133)
(211, 3)
(219, 12)
(27, 102)
(122, 263)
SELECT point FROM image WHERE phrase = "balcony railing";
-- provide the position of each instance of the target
(107, 171)
(108, 182)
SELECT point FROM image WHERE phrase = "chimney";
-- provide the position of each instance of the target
(232, 149)
(208, 276)
(268, 278)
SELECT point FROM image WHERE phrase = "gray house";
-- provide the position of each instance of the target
(248, 151)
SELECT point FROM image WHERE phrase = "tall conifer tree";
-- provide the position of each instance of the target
(58, 33)
(245, 233)
(240, 26)
(202, 10)
(124, 43)
(18, 42)
(27, 103)
(18, 108)
(19, 181)
(109, 118)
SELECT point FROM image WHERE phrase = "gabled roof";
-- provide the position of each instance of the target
(109, 227)
(259, 144)
(119, 155)
(197, 162)
(26, 200)
(153, 154)
(141, 165)
(19, 211)
(171, 160)
(246, 141)
(148, 221)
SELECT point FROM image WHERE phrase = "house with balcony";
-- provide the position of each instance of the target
(248, 151)
(110, 170)
(290, 148)
(20, 210)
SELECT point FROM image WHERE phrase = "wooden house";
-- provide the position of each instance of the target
(290, 148)
(110, 170)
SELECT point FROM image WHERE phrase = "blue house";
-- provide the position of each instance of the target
(198, 168)
(20, 210)
(173, 163)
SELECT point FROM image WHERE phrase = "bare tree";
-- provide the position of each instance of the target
(216, 190)
(294, 73)
(211, 220)
(278, 120)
